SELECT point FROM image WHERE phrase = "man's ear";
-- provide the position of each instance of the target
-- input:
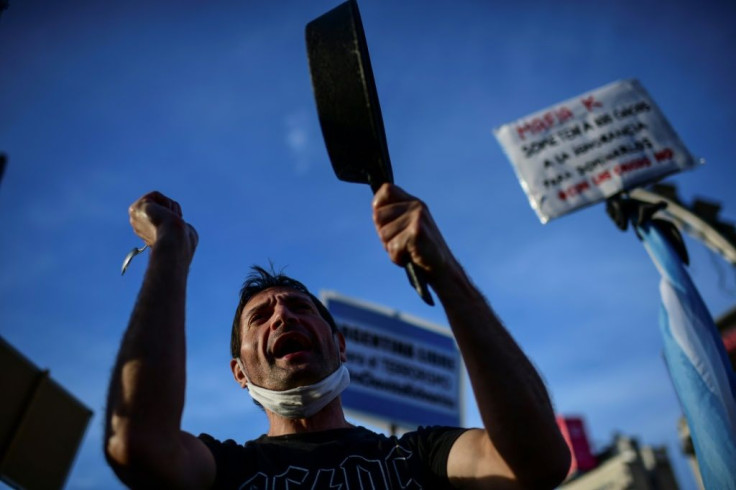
(238, 373)
(341, 346)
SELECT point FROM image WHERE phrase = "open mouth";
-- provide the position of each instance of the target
(290, 344)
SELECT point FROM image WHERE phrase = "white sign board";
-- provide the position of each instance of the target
(402, 370)
(590, 147)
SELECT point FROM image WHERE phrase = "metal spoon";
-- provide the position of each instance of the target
(130, 256)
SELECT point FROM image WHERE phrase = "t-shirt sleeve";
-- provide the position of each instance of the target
(433, 446)
(229, 458)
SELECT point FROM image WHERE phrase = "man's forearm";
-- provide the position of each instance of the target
(146, 394)
(521, 441)
(512, 400)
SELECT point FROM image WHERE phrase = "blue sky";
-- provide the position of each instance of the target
(212, 104)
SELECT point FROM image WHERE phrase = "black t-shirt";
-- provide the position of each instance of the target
(352, 458)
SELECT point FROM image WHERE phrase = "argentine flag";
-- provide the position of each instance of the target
(699, 367)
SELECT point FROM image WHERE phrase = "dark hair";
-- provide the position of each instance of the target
(259, 280)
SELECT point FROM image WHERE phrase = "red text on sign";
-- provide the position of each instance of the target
(630, 166)
(574, 190)
(590, 103)
(602, 177)
(665, 154)
(544, 122)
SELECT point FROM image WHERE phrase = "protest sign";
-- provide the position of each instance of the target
(591, 147)
(403, 371)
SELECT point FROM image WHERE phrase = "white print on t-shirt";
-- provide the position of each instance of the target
(354, 473)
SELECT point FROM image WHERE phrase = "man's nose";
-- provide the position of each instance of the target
(283, 316)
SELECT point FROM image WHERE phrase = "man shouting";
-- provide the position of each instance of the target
(287, 352)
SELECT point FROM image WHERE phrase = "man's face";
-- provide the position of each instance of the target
(285, 342)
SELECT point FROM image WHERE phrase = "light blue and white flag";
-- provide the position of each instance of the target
(698, 364)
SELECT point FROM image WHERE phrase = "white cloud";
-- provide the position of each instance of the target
(297, 139)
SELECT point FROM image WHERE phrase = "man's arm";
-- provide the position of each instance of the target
(143, 440)
(521, 446)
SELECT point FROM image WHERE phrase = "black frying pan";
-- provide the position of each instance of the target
(348, 108)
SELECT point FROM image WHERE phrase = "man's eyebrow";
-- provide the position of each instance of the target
(256, 308)
(298, 298)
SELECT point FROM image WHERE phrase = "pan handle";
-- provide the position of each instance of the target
(416, 276)
(419, 282)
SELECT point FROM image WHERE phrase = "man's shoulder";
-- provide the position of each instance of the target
(207, 438)
(216, 445)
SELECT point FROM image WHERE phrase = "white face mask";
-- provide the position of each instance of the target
(302, 401)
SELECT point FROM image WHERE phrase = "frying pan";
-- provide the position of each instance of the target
(348, 108)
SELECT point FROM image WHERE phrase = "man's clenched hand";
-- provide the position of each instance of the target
(158, 220)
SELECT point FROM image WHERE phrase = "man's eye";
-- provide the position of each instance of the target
(303, 307)
(256, 318)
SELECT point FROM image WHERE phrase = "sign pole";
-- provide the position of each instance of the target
(694, 352)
